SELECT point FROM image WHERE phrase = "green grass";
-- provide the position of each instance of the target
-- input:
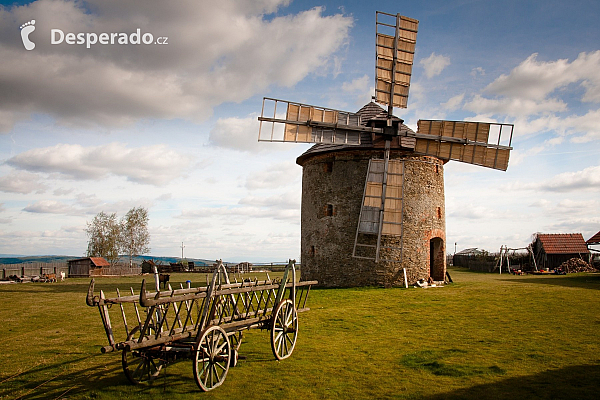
(485, 336)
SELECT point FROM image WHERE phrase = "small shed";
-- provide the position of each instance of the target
(88, 266)
(552, 249)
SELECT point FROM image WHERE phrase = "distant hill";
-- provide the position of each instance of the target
(12, 259)
(27, 259)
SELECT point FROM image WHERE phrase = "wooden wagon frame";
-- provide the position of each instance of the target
(204, 324)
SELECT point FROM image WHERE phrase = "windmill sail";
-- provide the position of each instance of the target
(395, 51)
(480, 143)
(286, 121)
(381, 212)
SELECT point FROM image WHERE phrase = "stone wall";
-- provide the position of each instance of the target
(332, 190)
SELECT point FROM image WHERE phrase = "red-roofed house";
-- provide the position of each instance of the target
(89, 266)
(553, 249)
(594, 239)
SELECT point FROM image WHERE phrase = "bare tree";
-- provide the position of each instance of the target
(135, 239)
(104, 234)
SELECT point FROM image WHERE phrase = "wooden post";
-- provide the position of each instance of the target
(123, 314)
(156, 280)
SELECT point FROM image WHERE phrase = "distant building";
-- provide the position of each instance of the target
(594, 240)
(474, 259)
(89, 266)
(148, 266)
(553, 249)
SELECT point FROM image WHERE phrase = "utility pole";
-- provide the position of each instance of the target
(182, 247)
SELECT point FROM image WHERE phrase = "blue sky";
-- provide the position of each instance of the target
(173, 127)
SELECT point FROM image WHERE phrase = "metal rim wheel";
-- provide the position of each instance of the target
(284, 330)
(139, 366)
(211, 358)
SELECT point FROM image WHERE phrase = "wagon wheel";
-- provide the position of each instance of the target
(236, 341)
(140, 366)
(211, 358)
(284, 330)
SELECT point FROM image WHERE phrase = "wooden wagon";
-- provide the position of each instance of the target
(204, 324)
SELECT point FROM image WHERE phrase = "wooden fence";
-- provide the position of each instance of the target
(33, 268)
(121, 270)
(40, 268)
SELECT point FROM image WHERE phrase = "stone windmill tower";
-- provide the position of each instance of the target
(373, 189)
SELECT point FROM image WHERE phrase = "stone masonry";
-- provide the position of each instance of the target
(332, 190)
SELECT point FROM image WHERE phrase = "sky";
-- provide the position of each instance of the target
(172, 125)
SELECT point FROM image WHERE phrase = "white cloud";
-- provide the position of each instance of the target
(50, 207)
(472, 211)
(434, 64)
(361, 89)
(21, 182)
(285, 207)
(62, 192)
(286, 201)
(535, 80)
(278, 175)
(237, 215)
(514, 106)
(586, 124)
(156, 165)
(237, 134)
(218, 51)
(477, 71)
(587, 179)
(533, 96)
(454, 102)
(357, 85)
(577, 204)
(85, 205)
(540, 203)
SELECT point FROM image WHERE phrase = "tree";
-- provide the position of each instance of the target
(135, 239)
(108, 237)
(104, 234)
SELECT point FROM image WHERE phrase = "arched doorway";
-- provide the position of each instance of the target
(436, 259)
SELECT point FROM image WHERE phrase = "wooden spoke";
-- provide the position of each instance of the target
(211, 358)
(140, 366)
(284, 330)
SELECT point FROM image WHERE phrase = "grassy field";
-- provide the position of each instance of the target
(485, 336)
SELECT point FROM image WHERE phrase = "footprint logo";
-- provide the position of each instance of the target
(26, 29)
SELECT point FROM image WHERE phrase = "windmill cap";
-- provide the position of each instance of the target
(370, 113)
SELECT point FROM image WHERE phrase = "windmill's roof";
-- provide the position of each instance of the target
(368, 112)
(563, 243)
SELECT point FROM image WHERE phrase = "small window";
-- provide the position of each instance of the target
(312, 251)
(439, 212)
(329, 212)
(328, 167)
(437, 169)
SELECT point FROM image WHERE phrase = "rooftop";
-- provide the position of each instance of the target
(594, 239)
(368, 112)
(563, 243)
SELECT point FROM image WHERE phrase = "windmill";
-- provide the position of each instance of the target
(383, 226)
